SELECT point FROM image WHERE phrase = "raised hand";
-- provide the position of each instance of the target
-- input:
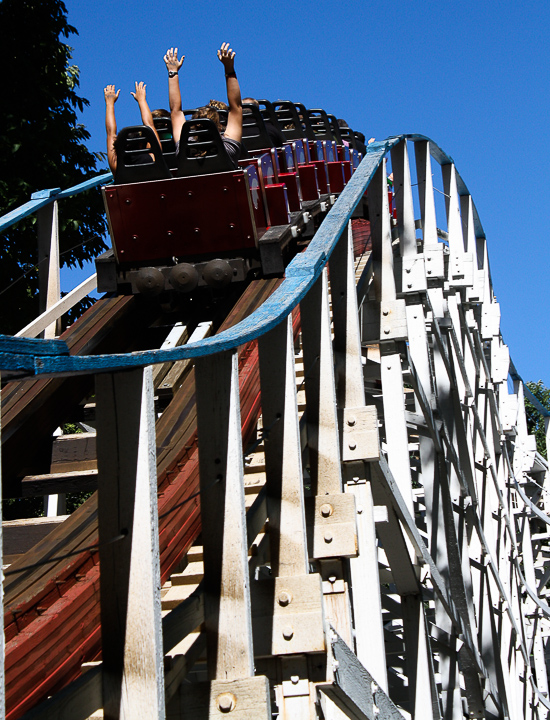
(227, 57)
(139, 94)
(110, 94)
(171, 60)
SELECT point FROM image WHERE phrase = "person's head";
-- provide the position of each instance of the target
(208, 112)
(251, 101)
(218, 105)
(161, 113)
(342, 123)
(359, 136)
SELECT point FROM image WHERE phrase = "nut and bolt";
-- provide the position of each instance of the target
(226, 702)
(284, 598)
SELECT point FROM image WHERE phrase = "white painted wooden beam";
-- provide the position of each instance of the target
(133, 670)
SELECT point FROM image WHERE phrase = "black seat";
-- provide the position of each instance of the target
(163, 127)
(320, 124)
(134, 162)
(255, 135)
(292, 126)
(335, 129)
(348, 135)
(201, 149)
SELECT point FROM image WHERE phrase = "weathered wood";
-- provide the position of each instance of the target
(48, 261)
(285, 490)
(174, 377)
(322, 421)
(354, 689)
(133, 671)
(246, 699)
(19, 536)
(227, 602)
(61, 482)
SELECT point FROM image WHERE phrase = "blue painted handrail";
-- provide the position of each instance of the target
(301, 275)
(44, 197)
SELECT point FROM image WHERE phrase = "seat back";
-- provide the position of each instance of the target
(201, 150)
(255, 135)
(335, 129)
(134, 161)
(348, 135)
(291, 124)
(269, 114)
(320, 124)
(163, 127)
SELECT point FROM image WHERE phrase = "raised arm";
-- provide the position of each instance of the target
(146, 115)
(111, 97)
(173, 66)
(234, 128)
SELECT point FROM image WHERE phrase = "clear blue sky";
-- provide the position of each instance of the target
(472, 76)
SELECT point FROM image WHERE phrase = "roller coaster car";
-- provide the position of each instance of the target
(191, 220)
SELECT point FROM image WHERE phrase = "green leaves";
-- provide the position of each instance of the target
(42, 145)
(535, 422)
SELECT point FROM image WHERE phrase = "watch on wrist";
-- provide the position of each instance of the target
(231, 74)
(172, 73)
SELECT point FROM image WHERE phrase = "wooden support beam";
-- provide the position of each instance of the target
(133, 671)
(354, 689)
(227, 608)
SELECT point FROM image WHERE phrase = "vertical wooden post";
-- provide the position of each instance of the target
(369, 632)
(322, 421)
(228, 619)
(133, 672)
(49, 292)
(48, 261)
(285, 487)
(227, 603)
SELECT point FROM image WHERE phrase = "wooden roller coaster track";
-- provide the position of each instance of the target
(402, 571)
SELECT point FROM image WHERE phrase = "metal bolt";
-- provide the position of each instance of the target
(328, 537)
(429, 272)
(385, 312)
(326, 510)
(332, 579)
(409, 285)
(359, 509)
(288, 633)
(352, 445)
(351, 421)
(226, 702)
(284, 598)
(386, 331)
(408, 270)
(429, 259)
(190, 194)
(295, 679)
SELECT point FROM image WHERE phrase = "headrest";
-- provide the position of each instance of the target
(201, 149)
(255, 135)
(134, 161)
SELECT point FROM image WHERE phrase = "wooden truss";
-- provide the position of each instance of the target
(404, 555)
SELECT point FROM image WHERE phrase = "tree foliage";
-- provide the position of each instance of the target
(42, 145)
(535, 421)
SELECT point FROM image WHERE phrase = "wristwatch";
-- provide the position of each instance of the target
(172, 73)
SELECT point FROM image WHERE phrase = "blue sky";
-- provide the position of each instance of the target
(472, 76)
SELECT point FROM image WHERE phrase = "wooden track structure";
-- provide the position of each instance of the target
(400, 544)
